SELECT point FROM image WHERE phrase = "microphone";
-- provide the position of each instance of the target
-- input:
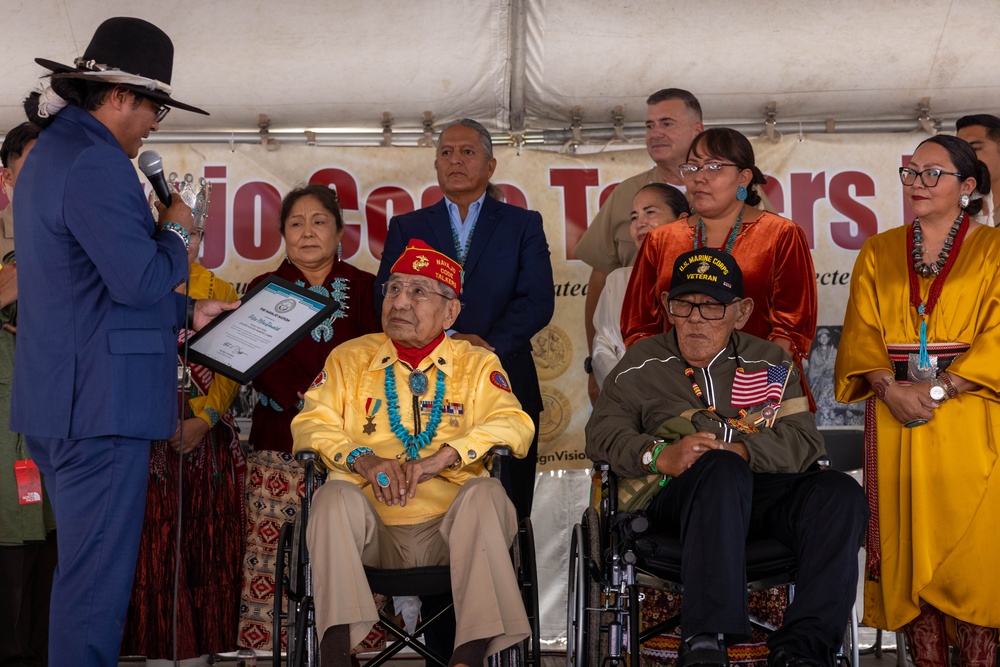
(151, 164)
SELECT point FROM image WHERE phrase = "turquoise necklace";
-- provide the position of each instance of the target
(460, 252)
(701, 236)
(323, 332)
(413, 443)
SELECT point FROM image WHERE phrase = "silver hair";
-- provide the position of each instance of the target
(478, 127)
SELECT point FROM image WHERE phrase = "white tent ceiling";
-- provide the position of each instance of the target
(527, 64)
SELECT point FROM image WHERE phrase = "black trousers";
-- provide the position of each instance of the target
(821, 515)
(25, 586)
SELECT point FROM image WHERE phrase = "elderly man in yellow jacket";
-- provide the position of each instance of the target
(403, 421)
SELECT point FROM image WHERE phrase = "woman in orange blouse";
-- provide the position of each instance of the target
(772, 251)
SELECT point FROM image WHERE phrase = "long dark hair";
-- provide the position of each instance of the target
(88, 95)
(963, 156)
(730, 145)
(326, 196)
(671, 197)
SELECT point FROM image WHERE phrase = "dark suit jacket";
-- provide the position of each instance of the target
(507, 288)
(97, 315)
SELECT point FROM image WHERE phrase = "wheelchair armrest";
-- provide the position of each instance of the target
(306, 455)
(310, 458)
(499, 457)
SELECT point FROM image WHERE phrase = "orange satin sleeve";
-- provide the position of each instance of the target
(642, 310)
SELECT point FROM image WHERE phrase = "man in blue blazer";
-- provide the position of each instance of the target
(508, 295)
(98, 320)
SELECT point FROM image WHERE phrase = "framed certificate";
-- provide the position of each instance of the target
(272, 317)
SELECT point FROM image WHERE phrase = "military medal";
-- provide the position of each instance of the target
(418, 382)
(371, 407)
(453, 410)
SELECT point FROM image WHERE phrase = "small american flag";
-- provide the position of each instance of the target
(759, 386)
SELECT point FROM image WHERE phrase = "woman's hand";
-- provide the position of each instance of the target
(474, 339)
(371, 466)
(908, 403)
(194, 430)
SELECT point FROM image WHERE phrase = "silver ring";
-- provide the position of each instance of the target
(382, 479)
(916, 422)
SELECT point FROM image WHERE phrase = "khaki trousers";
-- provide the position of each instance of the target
(345, 533)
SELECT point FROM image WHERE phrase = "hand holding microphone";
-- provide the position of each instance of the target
(172, 209)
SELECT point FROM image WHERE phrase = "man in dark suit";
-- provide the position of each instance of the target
(508, 295)
(95, 367)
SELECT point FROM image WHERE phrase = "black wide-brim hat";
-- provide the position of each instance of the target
(129, 52)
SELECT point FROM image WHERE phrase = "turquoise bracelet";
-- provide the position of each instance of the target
(180, 231)
(357, 454)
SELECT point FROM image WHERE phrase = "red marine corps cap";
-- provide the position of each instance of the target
(419, 259)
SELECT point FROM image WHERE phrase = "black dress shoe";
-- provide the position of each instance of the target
(702, 656)
(779, 657)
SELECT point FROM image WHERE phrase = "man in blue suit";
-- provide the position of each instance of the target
(98, 321)
(508, 295)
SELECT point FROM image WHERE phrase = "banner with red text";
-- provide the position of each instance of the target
(840, 189)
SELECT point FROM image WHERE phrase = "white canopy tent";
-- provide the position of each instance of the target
(343, 72)
(555, 73)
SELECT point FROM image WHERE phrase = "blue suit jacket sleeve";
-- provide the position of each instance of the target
(135, 271)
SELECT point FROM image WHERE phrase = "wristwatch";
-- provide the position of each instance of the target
(649, 456)
(588, 365)
(938, 392)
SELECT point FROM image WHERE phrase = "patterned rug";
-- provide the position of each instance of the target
(274, 490)
(767, 606)
(275, 485)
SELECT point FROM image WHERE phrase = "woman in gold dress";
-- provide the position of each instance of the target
(920, 342)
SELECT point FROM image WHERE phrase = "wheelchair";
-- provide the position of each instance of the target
(613, 555)
(293, 584)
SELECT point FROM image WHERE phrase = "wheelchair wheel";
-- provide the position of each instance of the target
(282, 584)
(584, 641)
(527, 653)
(300, 626)
(849, 654)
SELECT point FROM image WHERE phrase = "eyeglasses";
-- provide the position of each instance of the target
(161, 112)
(711, 310)
(929, 177)
(161, 109)
(414, 291)
(708, 170)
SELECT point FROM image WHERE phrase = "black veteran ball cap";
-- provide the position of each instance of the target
(707, 271)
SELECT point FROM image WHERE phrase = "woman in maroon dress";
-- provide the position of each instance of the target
(312, 226)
